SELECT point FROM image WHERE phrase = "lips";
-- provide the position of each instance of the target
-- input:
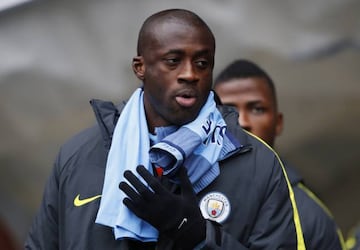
(186, 98)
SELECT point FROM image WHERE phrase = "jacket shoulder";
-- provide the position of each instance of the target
(98, 136)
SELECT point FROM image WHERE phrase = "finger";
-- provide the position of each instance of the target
(185, 181)
(153, 182)
(140, 187)
(130, 192)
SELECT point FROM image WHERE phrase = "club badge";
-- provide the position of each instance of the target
(215, 206)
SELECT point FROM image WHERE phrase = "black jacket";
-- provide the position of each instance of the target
(261, 214)
(319, 228)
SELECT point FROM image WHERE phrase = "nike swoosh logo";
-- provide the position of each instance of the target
(78, 202)
(182, 223)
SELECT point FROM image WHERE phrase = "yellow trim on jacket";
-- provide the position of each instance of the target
(298, 228)
(322, 205)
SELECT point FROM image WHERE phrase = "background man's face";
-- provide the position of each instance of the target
(253, 99)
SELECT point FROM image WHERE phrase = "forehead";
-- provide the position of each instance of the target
(245, 89)
(175, 34)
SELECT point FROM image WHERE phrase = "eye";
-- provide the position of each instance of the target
(171, 61)
(258, 110)
(202, 63)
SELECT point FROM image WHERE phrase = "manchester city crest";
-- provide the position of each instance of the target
(215, 206)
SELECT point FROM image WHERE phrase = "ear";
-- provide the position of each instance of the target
(139, 67)
(279, 123)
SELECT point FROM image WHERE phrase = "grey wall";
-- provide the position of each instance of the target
(56, 55)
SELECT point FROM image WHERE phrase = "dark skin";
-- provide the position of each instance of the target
(256, 104)
(176, 69)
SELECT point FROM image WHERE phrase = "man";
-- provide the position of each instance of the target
(248, 88)
(168, 169)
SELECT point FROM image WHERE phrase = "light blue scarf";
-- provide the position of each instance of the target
(197, 145)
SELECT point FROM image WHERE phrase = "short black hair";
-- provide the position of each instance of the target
(181, 15)
(243, 68)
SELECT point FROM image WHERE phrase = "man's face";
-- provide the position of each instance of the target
(253, 98)
(176, 69)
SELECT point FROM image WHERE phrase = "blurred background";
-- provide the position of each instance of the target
(56, 55)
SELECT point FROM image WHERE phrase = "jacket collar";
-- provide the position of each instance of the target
(230, 116)
(106, 114)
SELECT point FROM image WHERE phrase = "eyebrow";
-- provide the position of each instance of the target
(203, 52)
(255, 102)
(250, 103)
(175, 51)
(180, 51)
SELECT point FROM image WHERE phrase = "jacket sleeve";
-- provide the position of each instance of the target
(44, 230)
(277, 224)
(320, 229)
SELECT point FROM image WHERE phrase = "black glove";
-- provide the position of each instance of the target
(175, 216)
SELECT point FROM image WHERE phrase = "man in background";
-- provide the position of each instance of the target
(248, 88)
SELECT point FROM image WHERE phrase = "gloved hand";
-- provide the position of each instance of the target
(177, 216)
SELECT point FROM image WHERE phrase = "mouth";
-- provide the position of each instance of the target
(186, 98)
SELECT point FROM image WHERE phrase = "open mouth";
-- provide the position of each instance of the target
(186, 99)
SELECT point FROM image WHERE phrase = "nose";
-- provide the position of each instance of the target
(188, 73)
(244, 121)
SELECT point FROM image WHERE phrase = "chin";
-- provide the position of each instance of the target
(182, 120)
(184, 116)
